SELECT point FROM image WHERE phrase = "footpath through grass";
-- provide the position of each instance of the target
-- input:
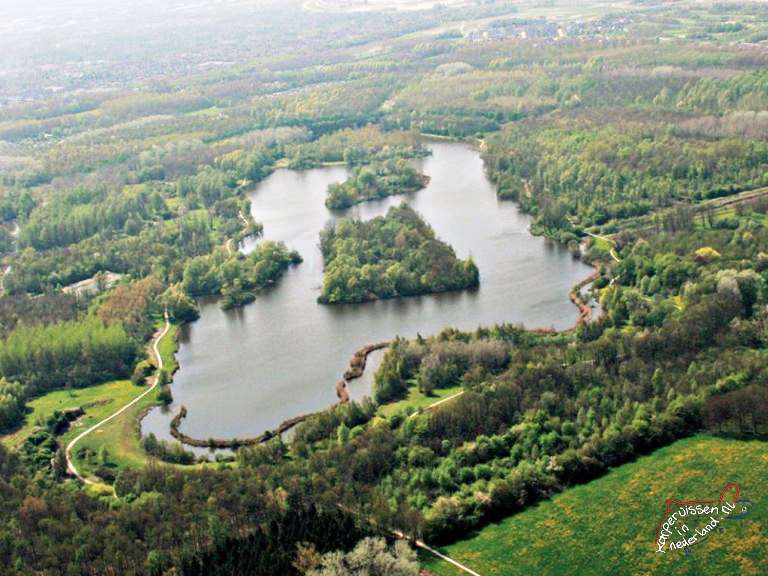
(97, 401)
(417, 399)
(609, 525)
(119, 437)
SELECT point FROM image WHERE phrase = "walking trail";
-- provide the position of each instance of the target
(71, 468)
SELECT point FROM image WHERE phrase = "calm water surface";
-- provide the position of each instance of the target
(248, 370)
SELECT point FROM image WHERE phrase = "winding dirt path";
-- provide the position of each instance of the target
(456, 563)
(436, 404)
(71, 468)
(423, 545)
(614, 255)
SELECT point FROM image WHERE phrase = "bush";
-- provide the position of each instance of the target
(140, 373)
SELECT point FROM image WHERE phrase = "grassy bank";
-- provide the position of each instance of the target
(97, 401)
(120, 437)
(417, 399)
(608, 526)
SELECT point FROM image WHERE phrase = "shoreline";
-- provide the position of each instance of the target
(356, 369)
(585, 311)
(357, 364)
(232, 443)
(360, 359)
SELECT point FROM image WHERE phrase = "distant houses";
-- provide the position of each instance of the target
(544, 29)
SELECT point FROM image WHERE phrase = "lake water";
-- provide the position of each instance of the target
(247, 370)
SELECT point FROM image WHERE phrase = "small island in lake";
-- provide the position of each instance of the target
(389, 257)
(237, 278)
(374, 181)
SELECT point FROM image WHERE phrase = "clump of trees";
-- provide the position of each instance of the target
(375, 181)
(388, 257)
(741, 411)
(237, 277)
(11, 404)
(370, 557)
(180, 306)
(172, 452)
(132, 304)
(440, 362)
(70, 354)
(322, 425)
(49, 308)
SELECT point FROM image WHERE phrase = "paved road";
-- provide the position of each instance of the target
(159, 359)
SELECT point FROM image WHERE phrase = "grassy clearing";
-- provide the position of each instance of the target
(603, 244)
(417, 399)
(97, 401)
(120, 437)
(608, 526)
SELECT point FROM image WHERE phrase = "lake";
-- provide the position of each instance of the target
(247, 370)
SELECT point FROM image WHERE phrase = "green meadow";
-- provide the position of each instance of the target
(608, 526)
(120, 436)
(98, 402)
(416, 399)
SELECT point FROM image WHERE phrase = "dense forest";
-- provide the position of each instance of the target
(355, 147)
(388, 257)
(634, 133)
(597, 172)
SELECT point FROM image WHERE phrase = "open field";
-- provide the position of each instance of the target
(417, 399)
(120, 436)
(608, 526)
(97, 401)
